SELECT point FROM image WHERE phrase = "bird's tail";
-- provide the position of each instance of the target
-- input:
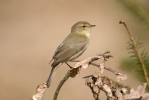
(52, 74)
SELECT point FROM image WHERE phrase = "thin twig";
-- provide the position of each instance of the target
(107, 68)
(61, 84)
(97, 65)
(137, 52)
(75, 70)
(84, 64)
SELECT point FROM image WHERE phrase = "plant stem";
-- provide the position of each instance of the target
(61, 84)
(137, 52)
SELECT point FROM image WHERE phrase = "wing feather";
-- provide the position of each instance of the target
(64, 53)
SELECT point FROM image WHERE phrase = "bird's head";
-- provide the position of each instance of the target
(82, 27)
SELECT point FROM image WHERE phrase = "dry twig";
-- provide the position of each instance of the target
(96, 82)
(85, 64)
(39, 92)
(137, 52)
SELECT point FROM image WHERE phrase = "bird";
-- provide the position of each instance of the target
(71, 48)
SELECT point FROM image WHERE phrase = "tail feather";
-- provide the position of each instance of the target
(52, 74)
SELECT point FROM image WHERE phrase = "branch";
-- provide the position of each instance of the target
(99, 83)
(84, 64)
(76, 69)
(61, 84)
(137, 52)
(70, 73)
(119, 75)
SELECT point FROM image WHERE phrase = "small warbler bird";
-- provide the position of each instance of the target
(72, 47)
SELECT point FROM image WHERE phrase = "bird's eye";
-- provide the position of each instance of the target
(84, 26)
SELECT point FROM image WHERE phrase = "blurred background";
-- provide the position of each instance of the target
(31, 30)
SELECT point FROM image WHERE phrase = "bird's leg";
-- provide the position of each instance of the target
(68, 65)
(75, 60)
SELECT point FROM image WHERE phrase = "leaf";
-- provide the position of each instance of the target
(96, 89)
(118, 94)
(145, 96)
(107, 90)
(98, 81)
(134, 94)
(124, 90)
(40, 91)
(121, 77)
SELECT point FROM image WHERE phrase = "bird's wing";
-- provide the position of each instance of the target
(64, 52)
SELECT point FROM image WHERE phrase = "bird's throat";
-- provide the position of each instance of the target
(87, 34)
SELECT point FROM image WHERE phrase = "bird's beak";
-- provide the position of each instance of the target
(93, 25)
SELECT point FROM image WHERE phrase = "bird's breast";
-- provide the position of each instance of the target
(87, 34)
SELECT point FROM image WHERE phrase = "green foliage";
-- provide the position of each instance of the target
(137, 9)
(138, 61)
(133, 64)
(128, 65)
